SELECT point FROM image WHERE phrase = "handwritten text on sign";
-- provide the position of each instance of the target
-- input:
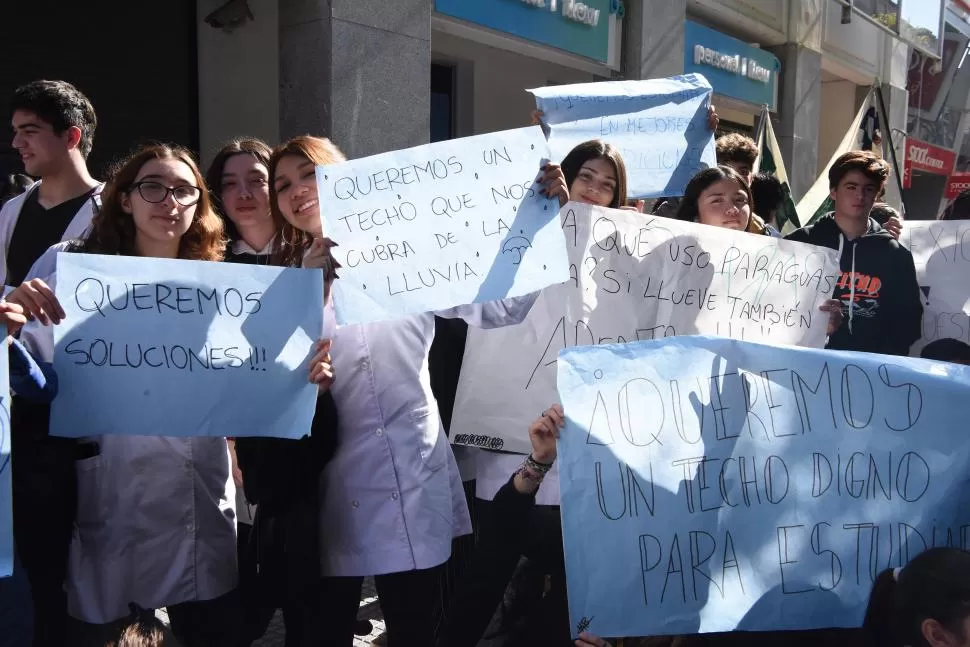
(6, 506)
(941, 253)
(441, 225)
(711, 484)
(184, 348)
(637, 277)
(659, 127)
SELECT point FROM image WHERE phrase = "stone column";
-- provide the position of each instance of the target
(653, 38)
(357, 71)
(799, 104)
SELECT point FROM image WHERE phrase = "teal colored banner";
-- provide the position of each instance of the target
(733, 68)
(578, 27)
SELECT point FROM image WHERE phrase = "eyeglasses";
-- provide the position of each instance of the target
(155, 192)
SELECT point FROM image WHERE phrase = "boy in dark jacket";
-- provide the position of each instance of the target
(880, 296)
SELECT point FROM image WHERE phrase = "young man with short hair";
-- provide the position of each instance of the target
(878, 288)
(53, 129)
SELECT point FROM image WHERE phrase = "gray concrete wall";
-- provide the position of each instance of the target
(357, 71)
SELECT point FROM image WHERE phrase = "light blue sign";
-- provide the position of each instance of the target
(184, 348)
(659, 127)
(441, 225)
(714, 485)
(6, 508)
(734, 68)
(578, 26)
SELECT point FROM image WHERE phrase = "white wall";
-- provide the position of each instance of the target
(238, 78)
(838, 110)
(496, 99)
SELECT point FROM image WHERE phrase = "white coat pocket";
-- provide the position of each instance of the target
(431, 439)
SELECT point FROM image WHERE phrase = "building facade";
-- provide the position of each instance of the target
(377, 75)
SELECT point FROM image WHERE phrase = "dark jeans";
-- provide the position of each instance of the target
(199, 623)
(16, 609)
(407, 601)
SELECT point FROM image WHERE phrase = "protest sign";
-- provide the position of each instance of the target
(941, 254)
(184, 348)
(441, 225)
(6, 508)
(637, 277)
(715, 485)
(660, 127)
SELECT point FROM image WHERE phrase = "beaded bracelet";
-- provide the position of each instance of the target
(535, 465)
(529, 474)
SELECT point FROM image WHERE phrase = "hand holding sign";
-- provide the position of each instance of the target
(661, 127)
(441, 225)
(764, 491)
(38, 301)
(230, 345)
(12, 317)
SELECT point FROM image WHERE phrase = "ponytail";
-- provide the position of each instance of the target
(879, 623)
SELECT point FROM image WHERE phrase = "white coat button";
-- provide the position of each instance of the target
(394, 495)
(379, 432)
(364, 364)
(356, 504)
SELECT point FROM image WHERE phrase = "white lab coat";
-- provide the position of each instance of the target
(155, 517)
(10, 213)
(392, 498)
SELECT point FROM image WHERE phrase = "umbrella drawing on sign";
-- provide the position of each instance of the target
(516, 245)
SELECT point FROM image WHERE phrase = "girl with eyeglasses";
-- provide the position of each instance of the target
(155, 524)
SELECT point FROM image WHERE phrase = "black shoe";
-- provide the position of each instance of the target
(363, 628)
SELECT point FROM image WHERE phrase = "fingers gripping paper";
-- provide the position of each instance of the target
(711, 484)
(184, 348)
(941, 254)
(636, 277)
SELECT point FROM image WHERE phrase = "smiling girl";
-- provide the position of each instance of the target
(392, 495)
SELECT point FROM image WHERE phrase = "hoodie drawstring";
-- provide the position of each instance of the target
(851, 278)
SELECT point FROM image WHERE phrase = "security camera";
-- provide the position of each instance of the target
(230, 15)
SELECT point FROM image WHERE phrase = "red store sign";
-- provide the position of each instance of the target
(926, 158)
(957, 184)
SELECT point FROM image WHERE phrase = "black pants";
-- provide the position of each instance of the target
(407, 601)
(44, 500)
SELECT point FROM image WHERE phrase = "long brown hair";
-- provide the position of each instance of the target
(293, 242)
(113, 230)
(597, 149)
(259, 150)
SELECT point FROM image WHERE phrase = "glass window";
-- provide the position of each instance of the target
(442, 102)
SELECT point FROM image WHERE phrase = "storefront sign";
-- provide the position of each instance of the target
(577, 26)
(926, 158)
(734, 68)
(957, 184)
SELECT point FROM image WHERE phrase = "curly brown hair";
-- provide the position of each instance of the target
(113, 230)
(293, 242)
(735, 148)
